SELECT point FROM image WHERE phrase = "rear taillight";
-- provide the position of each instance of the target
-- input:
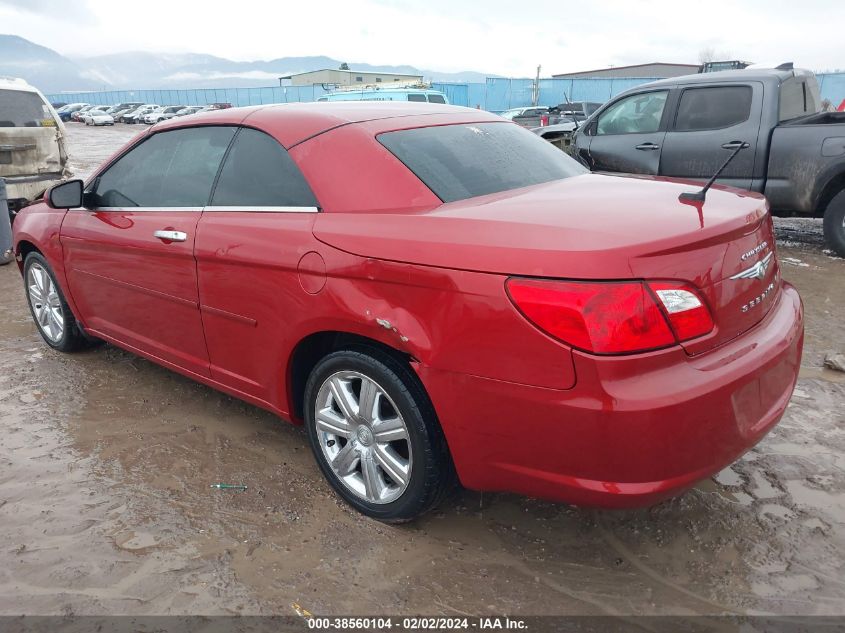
(612, 317)
(687, 313)
(544, 120)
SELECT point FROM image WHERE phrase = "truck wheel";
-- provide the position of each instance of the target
(834, 224)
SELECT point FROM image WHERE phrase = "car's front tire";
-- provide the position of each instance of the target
(375, 435)
(49, 309)
(834, 223)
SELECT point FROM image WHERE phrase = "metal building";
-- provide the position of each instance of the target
(348, 78)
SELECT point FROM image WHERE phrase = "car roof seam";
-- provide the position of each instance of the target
(340, 125)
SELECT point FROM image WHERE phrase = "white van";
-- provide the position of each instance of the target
(32, 142)
(419, 95)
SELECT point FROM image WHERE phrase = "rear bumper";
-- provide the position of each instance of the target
(634, 429)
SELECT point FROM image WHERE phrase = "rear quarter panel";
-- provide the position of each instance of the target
(262, 294)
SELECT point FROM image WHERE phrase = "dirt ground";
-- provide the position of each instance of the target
(105, 504)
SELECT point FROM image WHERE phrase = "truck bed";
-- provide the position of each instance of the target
(822, 118)
(806, 155)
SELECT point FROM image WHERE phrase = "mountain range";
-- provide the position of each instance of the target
(52, 72)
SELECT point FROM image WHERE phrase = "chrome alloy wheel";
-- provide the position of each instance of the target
(46, 305)
(363, 437)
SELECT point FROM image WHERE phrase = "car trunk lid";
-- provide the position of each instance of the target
(589, 227)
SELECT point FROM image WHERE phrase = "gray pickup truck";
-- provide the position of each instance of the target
(685, 127)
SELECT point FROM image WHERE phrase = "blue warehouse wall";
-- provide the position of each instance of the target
(496, 94)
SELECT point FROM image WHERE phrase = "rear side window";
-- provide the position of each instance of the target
(436, 99)
(416, 97)
(798, 97)
(258, 172)
(170, 169)
(463, 161)
(23, 109)
(713, 108)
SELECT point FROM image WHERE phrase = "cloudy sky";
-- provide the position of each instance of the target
(504, 37)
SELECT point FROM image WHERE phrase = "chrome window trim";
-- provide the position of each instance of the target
(247, 209)
(147, 209)
(243, 209)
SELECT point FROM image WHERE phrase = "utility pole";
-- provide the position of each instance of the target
(535, 98)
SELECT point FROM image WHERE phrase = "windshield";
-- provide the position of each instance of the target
(463, 161)
(24, 109)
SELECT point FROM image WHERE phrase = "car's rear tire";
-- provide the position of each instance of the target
(834, 223)
(389, 461)
(50, 311)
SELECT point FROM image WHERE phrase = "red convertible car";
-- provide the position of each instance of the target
(435, 293)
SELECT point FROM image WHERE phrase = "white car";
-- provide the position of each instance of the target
(164, 112)
(137, 115)
(187, 111)
(98, 117)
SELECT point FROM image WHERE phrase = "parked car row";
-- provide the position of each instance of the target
(130, 112)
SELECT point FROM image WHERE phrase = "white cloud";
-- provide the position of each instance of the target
(496, 36)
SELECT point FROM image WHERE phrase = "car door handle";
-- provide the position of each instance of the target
(733, 144)
(648, 146)
(171, 236)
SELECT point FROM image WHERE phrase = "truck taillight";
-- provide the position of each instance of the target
(612, 317)
(544, 120)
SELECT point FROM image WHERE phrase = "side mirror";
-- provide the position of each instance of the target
(66, 195)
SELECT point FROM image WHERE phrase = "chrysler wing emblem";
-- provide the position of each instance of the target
(757, 271)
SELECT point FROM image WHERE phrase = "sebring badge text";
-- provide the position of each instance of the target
(759, 298)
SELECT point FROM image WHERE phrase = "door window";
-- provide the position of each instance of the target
(637, 114)
(713, 108)
(258, 172)
(169, 169)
